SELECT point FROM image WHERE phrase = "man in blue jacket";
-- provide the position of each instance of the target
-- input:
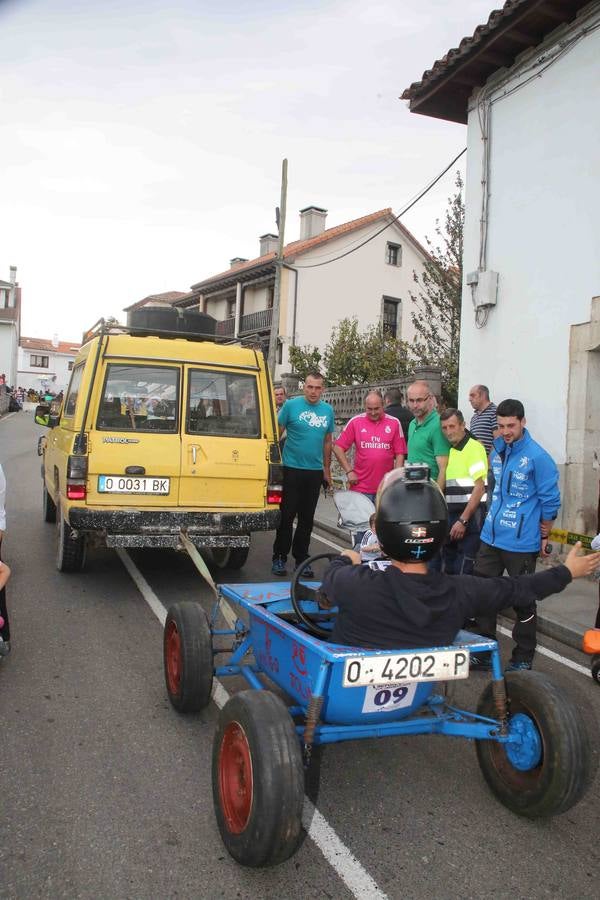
(525, 502)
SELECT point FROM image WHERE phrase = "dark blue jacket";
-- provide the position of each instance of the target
(526, 492)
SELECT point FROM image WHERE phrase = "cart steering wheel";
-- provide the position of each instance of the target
(308, 621)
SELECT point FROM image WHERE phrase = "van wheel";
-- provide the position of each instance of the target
(230, 557)
(48, 505)
(70, 551)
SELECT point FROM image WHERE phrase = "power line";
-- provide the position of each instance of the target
(396, 218)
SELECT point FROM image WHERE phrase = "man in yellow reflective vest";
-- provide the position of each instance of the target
(465, 494)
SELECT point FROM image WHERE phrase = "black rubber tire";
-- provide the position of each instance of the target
(264, 825)
(565, 770)
(230, 557)
(595, 667)
(188, 657)
(48, 505)
(70, 551)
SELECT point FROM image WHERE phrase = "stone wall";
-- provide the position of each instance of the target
(349, 401)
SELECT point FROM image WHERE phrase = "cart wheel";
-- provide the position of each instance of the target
(230, 557)
(550, 769)
(188, 657)
(596, 668)
(258, 779)
(70, 551)
(48, 505)
(307, 620)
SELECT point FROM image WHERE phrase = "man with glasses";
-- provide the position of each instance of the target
(426, 442)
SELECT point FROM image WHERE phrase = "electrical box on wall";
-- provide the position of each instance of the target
(484, 288)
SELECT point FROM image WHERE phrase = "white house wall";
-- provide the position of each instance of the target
(542, 238)
(8, 352)
(352, 286)
(30, 376)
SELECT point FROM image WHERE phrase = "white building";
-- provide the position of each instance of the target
(45, 364)
(527, 84)
(372, 283)
(10, 325)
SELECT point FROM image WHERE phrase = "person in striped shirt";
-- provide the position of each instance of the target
(483, 425)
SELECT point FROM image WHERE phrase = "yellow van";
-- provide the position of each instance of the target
(162, 430)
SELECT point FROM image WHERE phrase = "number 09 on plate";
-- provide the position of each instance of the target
(435, 665)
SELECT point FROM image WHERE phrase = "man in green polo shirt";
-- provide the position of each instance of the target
(426, 443)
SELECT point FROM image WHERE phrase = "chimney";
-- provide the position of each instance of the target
(237, 261)
(268, 243)
(13, 274)
(55, 340)
(312, 222)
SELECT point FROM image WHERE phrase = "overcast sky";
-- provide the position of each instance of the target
(142, 141)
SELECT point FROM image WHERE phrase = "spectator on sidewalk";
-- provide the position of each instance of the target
(483, 425)
(309, 424)
(280, 395)
(4, 574)
(426, 443)
(379, 446)
(524, 505)
(394, 407)
(465, 493)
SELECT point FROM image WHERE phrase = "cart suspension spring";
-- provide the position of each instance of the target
(500, 703)
(313, 712)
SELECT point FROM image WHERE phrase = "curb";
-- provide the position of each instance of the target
(558, 632)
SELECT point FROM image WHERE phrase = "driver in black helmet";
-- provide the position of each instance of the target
(406, 606)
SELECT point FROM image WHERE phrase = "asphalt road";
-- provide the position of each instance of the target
(105, 791)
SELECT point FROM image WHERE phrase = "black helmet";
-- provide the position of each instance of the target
(412, 516)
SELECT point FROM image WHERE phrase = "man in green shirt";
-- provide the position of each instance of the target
(426, 443)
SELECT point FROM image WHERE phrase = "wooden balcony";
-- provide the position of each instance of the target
(253, 323)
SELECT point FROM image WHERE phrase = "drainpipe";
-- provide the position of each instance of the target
(296, 273)
(238, 309)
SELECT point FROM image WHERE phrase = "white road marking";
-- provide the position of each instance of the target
(357, 879)
(544, 651)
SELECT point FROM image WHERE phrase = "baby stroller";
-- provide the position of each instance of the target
(354, 512)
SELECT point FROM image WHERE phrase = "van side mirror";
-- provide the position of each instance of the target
(42, 414)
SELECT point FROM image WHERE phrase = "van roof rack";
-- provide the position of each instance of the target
(102, 327)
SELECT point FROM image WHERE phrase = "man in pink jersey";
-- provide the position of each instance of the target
(379, 446)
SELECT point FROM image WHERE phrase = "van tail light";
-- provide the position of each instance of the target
(77, 470)
(275, 485)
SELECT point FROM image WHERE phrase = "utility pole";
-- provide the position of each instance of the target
(280, 217)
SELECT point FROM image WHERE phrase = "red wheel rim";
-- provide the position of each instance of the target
(235, 778)
(173, 659)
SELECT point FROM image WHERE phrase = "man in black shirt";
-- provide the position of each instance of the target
(394, 407)
(405, 606)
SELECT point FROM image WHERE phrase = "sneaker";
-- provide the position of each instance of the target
(278, 567)
(307, 572)
(521, 666)
(480, 663)
(4, 648)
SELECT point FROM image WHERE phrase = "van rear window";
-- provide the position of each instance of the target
(222, 403)
(139, 398)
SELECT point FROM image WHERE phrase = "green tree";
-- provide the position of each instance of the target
(438, 301)
(303, 359)
(344, 354)
(384, 356)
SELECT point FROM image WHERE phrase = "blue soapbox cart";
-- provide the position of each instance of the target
(532, 744)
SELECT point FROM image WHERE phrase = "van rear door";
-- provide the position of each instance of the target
(224, 448)
(135, 442)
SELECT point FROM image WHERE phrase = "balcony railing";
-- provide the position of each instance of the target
(256, 321)
(251, 324)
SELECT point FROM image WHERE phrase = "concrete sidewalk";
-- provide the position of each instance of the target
(564, 616)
